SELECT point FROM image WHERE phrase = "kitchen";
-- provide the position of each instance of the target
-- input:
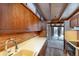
(26, 29)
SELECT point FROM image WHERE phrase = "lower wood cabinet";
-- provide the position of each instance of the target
(71, 48)
(43, 50)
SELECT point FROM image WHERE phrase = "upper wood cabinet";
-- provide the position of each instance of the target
(74, 21)
(32, 21)
(3, 16)
(16, 17)
(78, 20)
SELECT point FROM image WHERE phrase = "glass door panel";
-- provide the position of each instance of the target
(57, 33)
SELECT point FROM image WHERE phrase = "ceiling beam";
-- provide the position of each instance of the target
(65, 6)
(70, 11)
(39, 11)
(55, 21)
(72, 14)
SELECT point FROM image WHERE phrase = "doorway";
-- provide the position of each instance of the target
(56, 41)
(57, 33)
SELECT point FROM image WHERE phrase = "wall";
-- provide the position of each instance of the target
(67, 25)
(48, 31)
(71, 35)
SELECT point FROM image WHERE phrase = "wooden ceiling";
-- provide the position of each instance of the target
(57, 12)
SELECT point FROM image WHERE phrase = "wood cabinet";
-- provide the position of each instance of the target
(33, 23)
(78, 19)
(74, 21)
(43, 50)
(71, 48)
(16, 17)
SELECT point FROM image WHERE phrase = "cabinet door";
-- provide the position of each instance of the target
(78, 19)
(4, 18)
(73, 22)
(16, 19)
(19, 12)
(32, 21)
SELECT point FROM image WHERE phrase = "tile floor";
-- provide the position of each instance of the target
(55, 48)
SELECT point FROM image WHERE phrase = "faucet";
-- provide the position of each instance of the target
(6, 46)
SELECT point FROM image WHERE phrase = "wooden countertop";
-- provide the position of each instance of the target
(34, 44)
(73, 44)
(21, 37)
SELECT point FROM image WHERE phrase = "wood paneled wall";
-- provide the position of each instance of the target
(14, 17)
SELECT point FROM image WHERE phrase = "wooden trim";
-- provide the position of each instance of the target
(30, 10)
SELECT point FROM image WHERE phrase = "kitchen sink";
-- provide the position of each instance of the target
(24, 53)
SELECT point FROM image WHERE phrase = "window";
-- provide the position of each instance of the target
(32, 7)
